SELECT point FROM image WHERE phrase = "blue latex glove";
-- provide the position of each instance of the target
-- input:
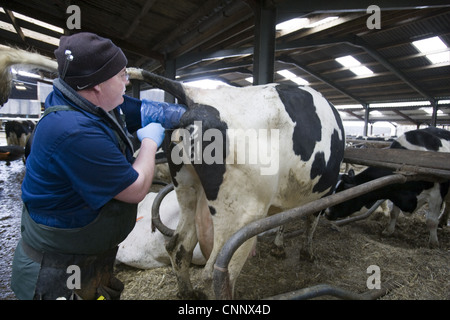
(168, 114)
(152, 131)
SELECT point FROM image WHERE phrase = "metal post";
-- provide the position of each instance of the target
(434, 115)
(170, 73)
(264, 53)
(366, 119)
(136, 89)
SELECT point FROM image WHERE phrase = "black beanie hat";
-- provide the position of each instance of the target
(95, 60)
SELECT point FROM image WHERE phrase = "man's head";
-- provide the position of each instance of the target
(96, 63)
(95, 59)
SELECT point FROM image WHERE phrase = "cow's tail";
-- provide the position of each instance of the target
(173, 87)
(12, 56)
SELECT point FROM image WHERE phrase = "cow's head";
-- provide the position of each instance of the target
(346, 208)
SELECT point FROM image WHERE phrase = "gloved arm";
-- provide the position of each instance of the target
(168, 114)
(152, 131)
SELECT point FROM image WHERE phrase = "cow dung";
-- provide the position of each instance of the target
(341, 258)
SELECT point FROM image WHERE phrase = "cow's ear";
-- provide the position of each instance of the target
(351, 173)
(348, 178)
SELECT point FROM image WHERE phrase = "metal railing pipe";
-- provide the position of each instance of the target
(221, 281)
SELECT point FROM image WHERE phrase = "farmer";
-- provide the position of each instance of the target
(82, 183)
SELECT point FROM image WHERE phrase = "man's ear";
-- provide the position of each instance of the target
(96, 88)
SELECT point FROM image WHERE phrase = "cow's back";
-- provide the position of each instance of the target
(427, 139)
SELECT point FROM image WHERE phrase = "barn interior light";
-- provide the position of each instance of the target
(376, 113)
(429, 111)
(354, 65)
(292, 25)
(361, 71)
(20, 87)
(295, 24)
(293, 77)
(321, 22)
(399, 104)
(435, 49)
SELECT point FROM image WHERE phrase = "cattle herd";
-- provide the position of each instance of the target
(287, 148)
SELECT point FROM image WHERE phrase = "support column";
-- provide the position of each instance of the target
(264, 53)
(170, 72)
(434, 115)
(366, 120)
(136, 89)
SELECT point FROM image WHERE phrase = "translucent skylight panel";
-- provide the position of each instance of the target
(293, 24)
(361, 71)
(300, 81)
(291, 76)
(429, 44)
(300, 23)
(433, 44)
(354, 66)
(321, 22)
(348, 61)
(287, 74)
(436, 58)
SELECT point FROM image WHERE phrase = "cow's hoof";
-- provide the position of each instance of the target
(278, 252)
(307, 254)
(433, 245)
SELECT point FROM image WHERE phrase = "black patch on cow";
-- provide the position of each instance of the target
(168, 146)
(210, 175)
(429, 138)
(299, 104)
(212, 210)
(328, 172)
(396, 145)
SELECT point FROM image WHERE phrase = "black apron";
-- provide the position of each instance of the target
(78, 263)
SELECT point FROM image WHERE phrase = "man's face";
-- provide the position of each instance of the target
(112, 91)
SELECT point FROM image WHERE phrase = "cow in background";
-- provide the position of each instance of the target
(18, 132)
(407, 197)
(145, 249)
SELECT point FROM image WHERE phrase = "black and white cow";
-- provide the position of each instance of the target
(249, 151)
(407, 197)
(18, 132)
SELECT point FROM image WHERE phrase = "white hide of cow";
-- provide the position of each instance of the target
(246, 193)
(145, 249)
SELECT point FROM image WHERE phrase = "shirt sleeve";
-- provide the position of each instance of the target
(131, 108)
(93, 163)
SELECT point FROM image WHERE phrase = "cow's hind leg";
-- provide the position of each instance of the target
(228, 219)
(443, 219)
(181, 246)
(432, 220)
(392, 221)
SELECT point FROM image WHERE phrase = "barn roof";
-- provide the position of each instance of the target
(215, 39)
